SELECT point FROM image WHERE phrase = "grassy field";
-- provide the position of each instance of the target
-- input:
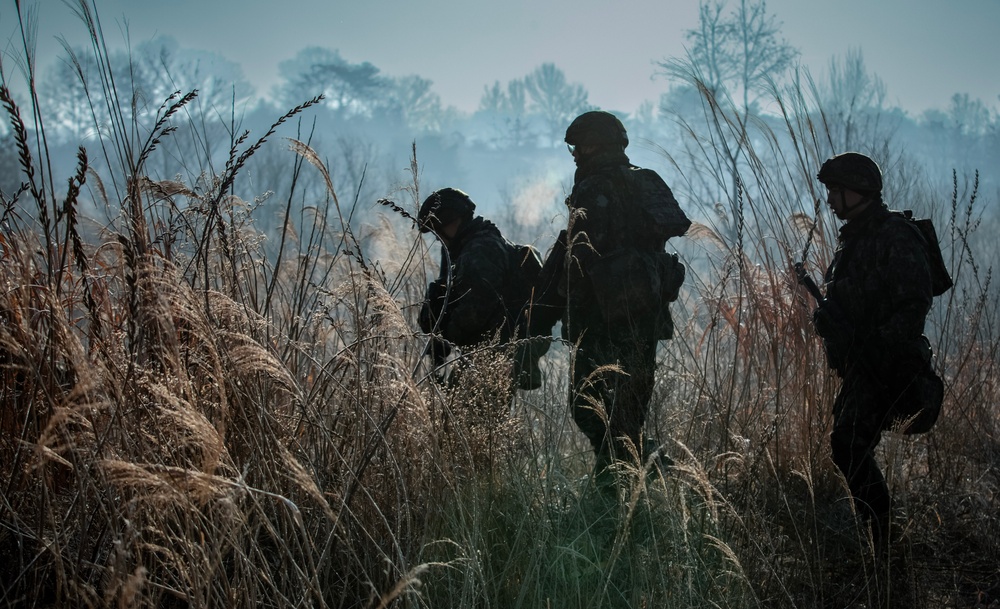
(196, 414)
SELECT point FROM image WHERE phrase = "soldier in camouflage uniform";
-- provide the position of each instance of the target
(610, 222)
(476, 298)
(878, 293)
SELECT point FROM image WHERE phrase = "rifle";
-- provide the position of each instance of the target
(830, 322)
(810, 285)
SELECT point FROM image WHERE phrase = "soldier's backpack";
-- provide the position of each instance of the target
(940, 277)
(917, 406)
(663, 217)
(524, 266)
(632, 286)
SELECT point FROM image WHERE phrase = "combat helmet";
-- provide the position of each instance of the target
(853, 171)
(596, 127)
(442, 208)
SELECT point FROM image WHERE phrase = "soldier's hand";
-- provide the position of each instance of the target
(836, 355)
(426, 317)
(432, 306)
(528, 352)
(827, 324)
(439, 350)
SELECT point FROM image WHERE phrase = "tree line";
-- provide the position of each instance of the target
(736, 56)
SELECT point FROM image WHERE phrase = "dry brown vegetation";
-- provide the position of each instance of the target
(187, 420)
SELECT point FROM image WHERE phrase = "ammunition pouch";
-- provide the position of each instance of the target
(912, 387)
(836, 332)
(633, 288)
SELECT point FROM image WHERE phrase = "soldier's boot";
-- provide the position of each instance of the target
(604, 475)
(889, 530)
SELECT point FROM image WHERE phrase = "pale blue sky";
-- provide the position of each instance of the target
(924, 50)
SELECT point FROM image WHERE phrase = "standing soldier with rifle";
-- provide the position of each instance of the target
(484, 282)
(879, 289)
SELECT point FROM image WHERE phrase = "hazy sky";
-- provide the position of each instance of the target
(924, 50)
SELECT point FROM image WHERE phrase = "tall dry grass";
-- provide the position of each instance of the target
(764, 396)
(195, 413)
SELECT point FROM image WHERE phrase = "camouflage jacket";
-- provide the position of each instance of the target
(607, 216)
(880, 280)
(481, 270)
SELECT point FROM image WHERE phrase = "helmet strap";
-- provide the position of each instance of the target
(865, 199)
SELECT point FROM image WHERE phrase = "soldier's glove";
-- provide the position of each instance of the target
(432, 306)
(528, 351)
(439, 350)
(425, 319)
(836, 334)
(828, 323)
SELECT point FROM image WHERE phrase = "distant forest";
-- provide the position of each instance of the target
(508, 154)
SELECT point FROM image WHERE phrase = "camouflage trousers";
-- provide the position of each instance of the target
(860, 414)
(612, 386)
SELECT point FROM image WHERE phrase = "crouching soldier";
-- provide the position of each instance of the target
(484, 281)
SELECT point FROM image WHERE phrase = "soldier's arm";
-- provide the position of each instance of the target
(664, 210)
(592, 219)
(548, 302)
(476, 308)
